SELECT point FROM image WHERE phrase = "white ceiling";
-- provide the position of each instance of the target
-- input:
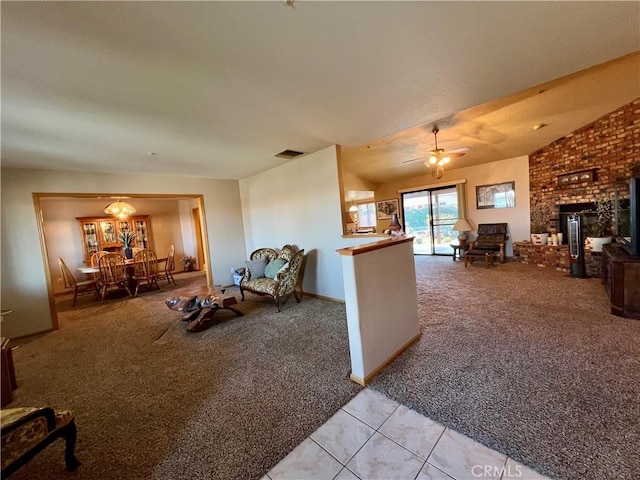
(217, 88)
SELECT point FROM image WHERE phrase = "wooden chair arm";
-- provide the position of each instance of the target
(46, 412)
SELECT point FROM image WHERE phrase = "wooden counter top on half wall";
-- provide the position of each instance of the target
(368, 247)
(382, 304)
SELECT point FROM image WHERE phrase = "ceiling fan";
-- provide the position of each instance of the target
(439, 157)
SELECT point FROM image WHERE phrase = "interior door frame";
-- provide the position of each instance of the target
(197, 224)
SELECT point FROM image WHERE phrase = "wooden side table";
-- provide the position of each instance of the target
(458, 249)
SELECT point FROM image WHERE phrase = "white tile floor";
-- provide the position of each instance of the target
(374, 437)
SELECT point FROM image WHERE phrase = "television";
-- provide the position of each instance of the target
(627, 212)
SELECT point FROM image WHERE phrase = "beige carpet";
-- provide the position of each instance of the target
(155, 402)
(527, 361)
(523, 359)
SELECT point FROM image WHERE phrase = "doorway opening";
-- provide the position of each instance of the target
(429, 216)
(59, 215)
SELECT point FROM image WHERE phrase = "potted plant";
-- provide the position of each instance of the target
(540, 214)
(598, 231)
(188, 263)
(127, 238)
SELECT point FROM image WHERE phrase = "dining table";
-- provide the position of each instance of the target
(129, 263)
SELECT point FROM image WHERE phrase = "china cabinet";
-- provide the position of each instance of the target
(101, 233)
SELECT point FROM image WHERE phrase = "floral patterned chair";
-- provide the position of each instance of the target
(274, 274)
(26, 431)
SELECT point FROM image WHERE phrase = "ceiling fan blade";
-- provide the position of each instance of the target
(415, 159)
(462, 150)
(456, 154)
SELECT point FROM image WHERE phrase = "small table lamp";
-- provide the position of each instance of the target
(462, 227)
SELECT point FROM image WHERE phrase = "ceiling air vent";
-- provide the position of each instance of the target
(289, 154)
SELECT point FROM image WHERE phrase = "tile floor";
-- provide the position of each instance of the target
(374, 437)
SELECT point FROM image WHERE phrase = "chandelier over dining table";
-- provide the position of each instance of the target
(119, 209)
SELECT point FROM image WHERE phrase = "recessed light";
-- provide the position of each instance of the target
(152, 154)
(539, 126)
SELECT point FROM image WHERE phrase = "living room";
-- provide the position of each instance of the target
(297, 201)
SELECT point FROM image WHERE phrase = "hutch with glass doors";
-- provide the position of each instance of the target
(101, 233)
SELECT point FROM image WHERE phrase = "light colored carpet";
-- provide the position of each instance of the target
(527, 361)
(155, 402)
(523, 359)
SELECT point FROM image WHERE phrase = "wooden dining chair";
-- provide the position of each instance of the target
(94, 261)
(169, 266)
(113, 274)
(145, 267)
(79, 287)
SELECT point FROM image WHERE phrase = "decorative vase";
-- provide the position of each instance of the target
(128, 252)
(395, 224)
(539, 238)
(596, 243)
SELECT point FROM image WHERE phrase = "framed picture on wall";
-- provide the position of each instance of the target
(385, 208)
(497, 195)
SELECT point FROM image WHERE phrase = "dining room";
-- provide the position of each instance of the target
(75, 227)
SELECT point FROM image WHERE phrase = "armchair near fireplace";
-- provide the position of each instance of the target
(490, 240)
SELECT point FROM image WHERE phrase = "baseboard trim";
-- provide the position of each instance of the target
(364, 381)
(322, 297)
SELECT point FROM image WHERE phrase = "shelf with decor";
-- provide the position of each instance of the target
(101, 233)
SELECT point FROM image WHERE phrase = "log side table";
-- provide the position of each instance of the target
(200, 309)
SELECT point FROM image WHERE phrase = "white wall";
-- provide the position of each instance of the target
(24, 287)
(188, 231)
(516, 169)
(299, 203)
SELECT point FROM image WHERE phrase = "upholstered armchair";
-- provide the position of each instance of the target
(490, 240)
(26, 431)
(273, 274)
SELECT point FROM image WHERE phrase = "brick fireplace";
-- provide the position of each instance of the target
(608, 147)
(584, 166)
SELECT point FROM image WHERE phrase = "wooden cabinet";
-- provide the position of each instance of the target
(622, 280)
(102, 233)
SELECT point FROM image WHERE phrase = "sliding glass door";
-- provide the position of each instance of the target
(429, 216)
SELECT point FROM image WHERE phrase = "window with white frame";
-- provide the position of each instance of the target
(367, 214)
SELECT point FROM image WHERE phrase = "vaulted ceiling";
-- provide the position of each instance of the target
(216, 89)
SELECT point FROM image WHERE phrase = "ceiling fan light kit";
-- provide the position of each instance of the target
(439, 157)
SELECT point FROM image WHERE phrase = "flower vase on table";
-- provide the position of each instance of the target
(128, 252)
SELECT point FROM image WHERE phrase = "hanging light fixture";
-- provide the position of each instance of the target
(353, 212)
(438, 158)
(119, 209)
